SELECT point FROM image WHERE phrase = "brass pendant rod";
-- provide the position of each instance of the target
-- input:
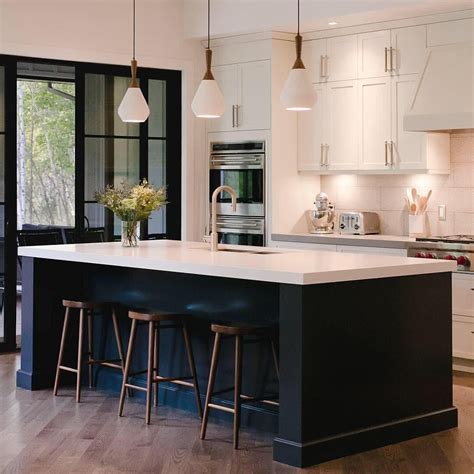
(299, 45)
(208, 74)
(133, 82)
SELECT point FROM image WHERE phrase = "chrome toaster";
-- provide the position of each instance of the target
(360, 223)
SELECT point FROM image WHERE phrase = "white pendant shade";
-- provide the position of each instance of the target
(298, 94)
(208, 101)
(133, 107)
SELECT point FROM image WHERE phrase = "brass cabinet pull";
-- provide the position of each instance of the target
(391, 153)
(386, 153)
(321, 66)
(391, 59)
(321, 159)
(233, 116)
(237, 118)
(386, 59)
(326, 159)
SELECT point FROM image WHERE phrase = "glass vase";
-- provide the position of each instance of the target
(130, 233)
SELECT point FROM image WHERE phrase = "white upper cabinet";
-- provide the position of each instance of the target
(374, 124)
(340, 62)
(314, 57)
(340, 142)
(374, 54)
(332, 59)
(254, 107)
(407, 147)
(247, 92)
(311, 134)
(408, 49)
(227, 79)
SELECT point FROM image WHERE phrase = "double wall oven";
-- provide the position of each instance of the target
(240, 165)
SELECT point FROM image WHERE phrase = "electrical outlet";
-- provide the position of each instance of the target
(442, 212)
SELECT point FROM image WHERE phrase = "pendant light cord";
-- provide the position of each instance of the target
(133, 29)
(208, 24)
(298, 17)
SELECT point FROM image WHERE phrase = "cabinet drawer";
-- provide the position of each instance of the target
(463, 337)
(463, 295)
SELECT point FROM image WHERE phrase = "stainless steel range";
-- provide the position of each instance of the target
(449, 247)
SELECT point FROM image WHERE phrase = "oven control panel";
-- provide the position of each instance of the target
(465, 261)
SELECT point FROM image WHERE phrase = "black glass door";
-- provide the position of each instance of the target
(8, 261)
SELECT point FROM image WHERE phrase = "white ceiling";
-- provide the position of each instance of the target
(244, 16)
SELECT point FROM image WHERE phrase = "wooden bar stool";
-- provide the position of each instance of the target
(154, 320)
(86, 309)
(237, 331)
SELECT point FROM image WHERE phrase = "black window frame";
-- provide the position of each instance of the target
(173, 179)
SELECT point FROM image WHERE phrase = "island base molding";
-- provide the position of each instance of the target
(334, 447)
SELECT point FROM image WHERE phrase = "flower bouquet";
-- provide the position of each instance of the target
(132, 204)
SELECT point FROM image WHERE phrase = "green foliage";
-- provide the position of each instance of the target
(46, 153)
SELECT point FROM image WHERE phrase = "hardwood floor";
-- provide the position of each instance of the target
(41, 433)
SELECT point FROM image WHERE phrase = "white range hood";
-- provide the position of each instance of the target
(444, 96)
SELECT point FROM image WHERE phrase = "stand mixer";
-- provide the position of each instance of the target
(323, 217)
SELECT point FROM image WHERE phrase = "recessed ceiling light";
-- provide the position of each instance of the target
(333, 23)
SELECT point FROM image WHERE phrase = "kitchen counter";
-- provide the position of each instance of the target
(376, 240)
(365, 349)
(278, 266)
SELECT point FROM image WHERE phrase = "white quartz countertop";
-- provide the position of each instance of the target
(375, 240)
(280, 266)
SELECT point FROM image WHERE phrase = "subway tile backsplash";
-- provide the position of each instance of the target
(384, 194)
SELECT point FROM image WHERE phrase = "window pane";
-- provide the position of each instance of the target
(45, 153)
(103, 95)
(2, 99)
(157, 103)
(157, 177)
(95, 214)
(109, 161)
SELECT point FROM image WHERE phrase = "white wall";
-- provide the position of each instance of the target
(101, 31)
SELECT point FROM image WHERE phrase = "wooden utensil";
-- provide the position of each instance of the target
(414, 195)
(413, 208)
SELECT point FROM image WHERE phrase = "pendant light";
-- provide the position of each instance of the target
(208, 101)
(298, 93)
(133, 107)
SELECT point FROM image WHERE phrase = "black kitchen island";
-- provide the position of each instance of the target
(364, 340)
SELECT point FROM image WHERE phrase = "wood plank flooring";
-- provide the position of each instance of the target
(40, 433)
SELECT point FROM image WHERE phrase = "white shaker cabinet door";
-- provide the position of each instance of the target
(374, 123)
(342, 145)
(340, 63)
(408, 49)
(254, 106)
(407, 151)
(227, 79)
(373, 53)
(311, 134)
(314, 57)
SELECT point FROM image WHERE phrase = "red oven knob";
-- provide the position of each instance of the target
(420, 255)
(464, 261)
(450, 257)
(431, 255)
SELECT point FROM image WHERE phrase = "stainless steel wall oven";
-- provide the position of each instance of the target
(240, 165)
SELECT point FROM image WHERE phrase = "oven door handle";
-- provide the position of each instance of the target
(233, 230)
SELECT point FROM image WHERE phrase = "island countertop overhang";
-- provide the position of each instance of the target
(280, 266)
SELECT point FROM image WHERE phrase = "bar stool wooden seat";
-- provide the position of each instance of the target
(87, 309)
(155, 320)
(238, 331)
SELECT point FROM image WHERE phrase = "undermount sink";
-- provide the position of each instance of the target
(253, 252)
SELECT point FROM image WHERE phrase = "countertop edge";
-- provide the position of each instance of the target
(271, 276)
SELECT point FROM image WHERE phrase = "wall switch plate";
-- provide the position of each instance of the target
(442, 212)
